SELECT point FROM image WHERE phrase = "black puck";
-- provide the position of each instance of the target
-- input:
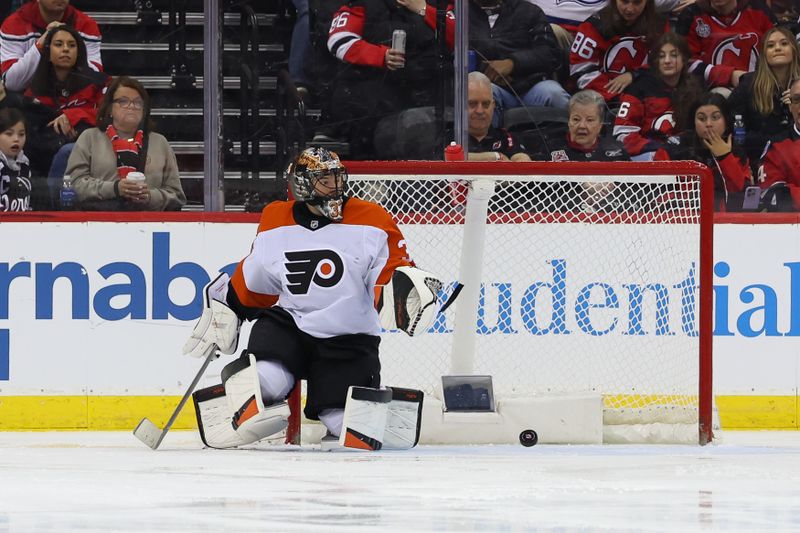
(528, 438)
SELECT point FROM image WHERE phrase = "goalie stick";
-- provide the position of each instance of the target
(452, 298)
(148, 432)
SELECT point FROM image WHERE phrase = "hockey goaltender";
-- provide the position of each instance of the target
(324, 273)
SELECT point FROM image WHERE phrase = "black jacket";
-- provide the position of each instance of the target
(15, 184)
(520, 33)
(759, 127)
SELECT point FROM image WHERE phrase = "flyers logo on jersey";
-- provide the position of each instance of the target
(322, 267)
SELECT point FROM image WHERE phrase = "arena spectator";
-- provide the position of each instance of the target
(707, 139)
(374, 80)
(124, 142)
(583, 143)
(301, 40)
(787, 12)
(762, 97)
(658, 100)
(781, 160)
(565, 17)
(517, 50)
(611, 46)
(23, 34)
(62, 102)
(15, 172)
(487, 143)
(724, 39)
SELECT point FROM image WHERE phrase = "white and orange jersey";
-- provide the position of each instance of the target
(323, 273)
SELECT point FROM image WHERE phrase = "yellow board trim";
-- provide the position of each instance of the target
(91, 412)
(19, 413)
(758, 412)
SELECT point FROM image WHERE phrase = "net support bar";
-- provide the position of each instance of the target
(470, 271)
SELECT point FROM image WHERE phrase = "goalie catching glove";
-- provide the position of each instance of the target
(218, 326)
(409, 301)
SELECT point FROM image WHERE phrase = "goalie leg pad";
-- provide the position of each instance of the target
(364, 420)
(215, 422)
(403, 420)
(409, 301)
(250, 418)
(214, 418)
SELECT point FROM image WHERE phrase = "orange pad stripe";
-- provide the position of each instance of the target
(351, 441)
(249, 412)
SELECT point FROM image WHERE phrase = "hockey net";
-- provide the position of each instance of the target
(579, 277)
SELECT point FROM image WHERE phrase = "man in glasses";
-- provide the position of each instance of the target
(781, 161)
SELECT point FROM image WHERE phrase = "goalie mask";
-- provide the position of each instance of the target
(318, 178)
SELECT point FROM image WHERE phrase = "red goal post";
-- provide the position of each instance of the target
(585, 284)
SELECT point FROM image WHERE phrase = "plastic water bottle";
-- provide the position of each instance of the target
(68, 195)
(739, 133)
(454, 152)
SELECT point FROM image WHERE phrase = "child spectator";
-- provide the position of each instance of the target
(658, 100)
(612, 45)
(762, 97)
(724, 39)
(15, 172)
(707, 138)
(65, 92)
(22, 37)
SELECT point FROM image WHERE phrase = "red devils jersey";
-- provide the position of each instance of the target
(780, 163)
(720, 45)
(81, 105)
(644, 119)
(361, 31)
(323, 273)
(597, 56)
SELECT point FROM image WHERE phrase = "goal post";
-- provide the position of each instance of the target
(587, 287)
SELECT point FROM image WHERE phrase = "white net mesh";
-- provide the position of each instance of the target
(589, 283)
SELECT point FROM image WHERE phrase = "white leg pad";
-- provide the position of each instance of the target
(403, 420)
(241, 382)
(254, 424)
(250, 418)
(214, 418)
(365, 418)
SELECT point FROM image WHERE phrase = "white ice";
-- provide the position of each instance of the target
(102, 482)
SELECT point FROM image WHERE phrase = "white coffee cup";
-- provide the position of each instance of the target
(135, 176)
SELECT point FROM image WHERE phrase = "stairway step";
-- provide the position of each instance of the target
(190, 47)
(192, 19)
(229, 82)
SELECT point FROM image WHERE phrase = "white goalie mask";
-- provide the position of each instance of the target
(317, 177)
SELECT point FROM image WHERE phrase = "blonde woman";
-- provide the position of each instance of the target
(762, 97)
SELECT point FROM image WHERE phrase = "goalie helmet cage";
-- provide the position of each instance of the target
(578, 278)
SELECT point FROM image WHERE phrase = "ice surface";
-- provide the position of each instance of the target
(93, 482)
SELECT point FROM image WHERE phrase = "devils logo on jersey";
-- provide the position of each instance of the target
(738, 50)
(322, 267)
(625, 52)
(664, 123)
